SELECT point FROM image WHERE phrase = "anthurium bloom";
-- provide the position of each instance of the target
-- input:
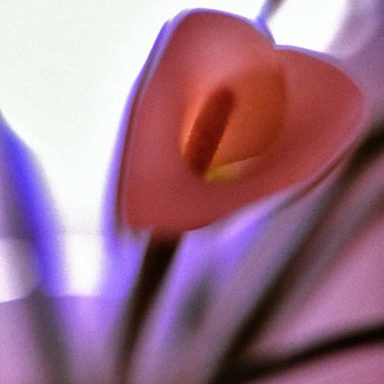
(222, 117)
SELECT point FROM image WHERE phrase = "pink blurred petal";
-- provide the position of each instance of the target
(359, 45)
(344, 290)
(21, 360)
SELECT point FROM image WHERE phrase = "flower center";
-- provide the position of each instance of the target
(207, 130)
(228, 128)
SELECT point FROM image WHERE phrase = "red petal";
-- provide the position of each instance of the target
(205, 53)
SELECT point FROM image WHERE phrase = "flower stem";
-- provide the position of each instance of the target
(157, 260)
(269, 9)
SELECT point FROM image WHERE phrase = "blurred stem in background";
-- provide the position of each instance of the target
(269, 8)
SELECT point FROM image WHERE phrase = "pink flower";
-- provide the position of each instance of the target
(221, 118)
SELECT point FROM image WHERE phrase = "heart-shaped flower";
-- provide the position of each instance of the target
(221, 117)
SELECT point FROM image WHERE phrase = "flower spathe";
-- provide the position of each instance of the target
(221, 117)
